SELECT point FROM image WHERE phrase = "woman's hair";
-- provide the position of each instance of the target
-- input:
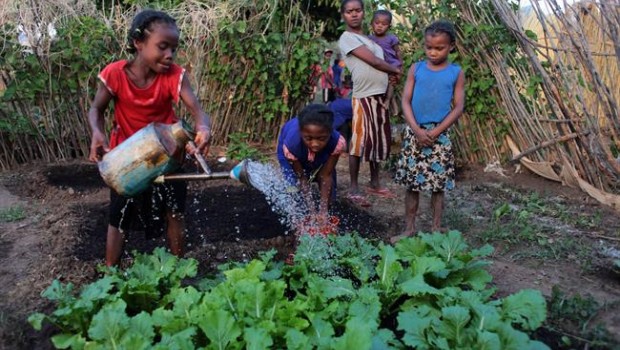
(316, 114)
(441, 27)
(142, 22)
(345, 2)
(386, 13)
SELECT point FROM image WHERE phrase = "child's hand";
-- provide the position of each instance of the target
(423, 137)
(393, 79)
(434, 134)
(202, 140)
(98, 146)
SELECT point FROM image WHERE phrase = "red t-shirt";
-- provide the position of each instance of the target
(134, 107)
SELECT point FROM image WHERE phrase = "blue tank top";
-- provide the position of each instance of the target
(433, 92)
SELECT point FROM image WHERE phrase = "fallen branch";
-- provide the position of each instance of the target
(616, 239)
(548, 143)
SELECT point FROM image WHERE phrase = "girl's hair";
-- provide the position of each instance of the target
(345, 2)
(386, 13)
(441, 27)
(142, 22)
(316, 114)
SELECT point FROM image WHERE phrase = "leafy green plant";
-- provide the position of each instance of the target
(501, 211)
(430, 291)
(49, 87)
(239, 149)
(575, 314)
(12, 214)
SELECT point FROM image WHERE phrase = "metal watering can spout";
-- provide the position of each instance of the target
(241, 174)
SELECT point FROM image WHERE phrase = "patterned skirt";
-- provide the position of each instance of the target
(371, 132)
(425, 168)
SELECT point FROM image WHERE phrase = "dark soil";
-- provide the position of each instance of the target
(62, 235)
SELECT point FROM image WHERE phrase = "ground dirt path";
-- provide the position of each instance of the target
(559, 237)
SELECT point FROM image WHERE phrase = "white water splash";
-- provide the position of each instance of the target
(284, 198)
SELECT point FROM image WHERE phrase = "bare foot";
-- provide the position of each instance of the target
(397, 238)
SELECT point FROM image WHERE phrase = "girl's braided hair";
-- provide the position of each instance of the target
(441, 27)
(316, 114)
(142, 22)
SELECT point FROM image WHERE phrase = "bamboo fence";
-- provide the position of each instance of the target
(570, 130)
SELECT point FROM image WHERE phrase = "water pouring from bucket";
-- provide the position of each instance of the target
(284, 198)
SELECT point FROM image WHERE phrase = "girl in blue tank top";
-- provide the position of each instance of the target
(433, 99)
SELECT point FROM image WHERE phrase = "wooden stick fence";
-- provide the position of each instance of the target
(575, 117)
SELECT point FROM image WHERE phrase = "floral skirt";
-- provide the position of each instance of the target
(425, 168)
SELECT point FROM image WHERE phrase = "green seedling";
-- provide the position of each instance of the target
(574, 315)
(11, 214)
(239, 149)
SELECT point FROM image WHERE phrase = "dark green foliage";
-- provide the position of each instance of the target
(343, 293)
(576, 313)
(48, 89)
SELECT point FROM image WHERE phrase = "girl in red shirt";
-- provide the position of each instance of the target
(143, 90)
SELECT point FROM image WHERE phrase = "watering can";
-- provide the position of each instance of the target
(156, 149)
(150, 153)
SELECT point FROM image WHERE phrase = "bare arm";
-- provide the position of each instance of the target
(96, 120)
(457, 111)
(397, 53)
(364, 54)
(303, 183)
(201, 119)
(421, 134)
(326, 182)
(299, 172)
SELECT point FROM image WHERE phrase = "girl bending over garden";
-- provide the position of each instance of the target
(309, 149)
